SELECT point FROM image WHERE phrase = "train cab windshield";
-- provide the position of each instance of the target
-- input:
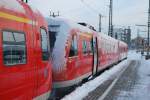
(53, 31)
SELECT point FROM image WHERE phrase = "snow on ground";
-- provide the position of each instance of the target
(82, 91)
(132, 55)
(141, 89)
(144, 81)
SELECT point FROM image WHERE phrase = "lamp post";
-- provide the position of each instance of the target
(100, 22)
(148, 56)
(110, 30)
(144, 44)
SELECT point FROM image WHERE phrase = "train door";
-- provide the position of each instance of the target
(73, 58)
(42, 63)
(118, 53)
(85, 57)
(95, 55)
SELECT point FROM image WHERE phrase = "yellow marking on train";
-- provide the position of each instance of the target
(15, 18)
(86, 35)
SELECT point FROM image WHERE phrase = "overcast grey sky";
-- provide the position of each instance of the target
(125, 12)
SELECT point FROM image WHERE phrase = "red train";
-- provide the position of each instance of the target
(78, 52)
(25, 68)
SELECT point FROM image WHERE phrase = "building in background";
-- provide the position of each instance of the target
(118, 33)
(127, 35)
(139, 43)
(123, 34)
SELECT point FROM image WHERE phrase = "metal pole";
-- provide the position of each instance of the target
(142, 51)
(148, 29)
(100, 22)
(137, 40)
(110, 30)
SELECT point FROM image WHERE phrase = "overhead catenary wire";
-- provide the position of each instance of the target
(89, 7)
(95, 11)
(86, 5)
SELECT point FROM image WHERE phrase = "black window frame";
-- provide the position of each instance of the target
(91, 49)
(48, 50)
(19, 32)
(74, 39)
(84, 50)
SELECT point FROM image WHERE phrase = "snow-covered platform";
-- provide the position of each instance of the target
(129, 80)
(134, 84)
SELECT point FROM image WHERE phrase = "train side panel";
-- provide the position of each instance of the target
(122, 50)
(82, 65)
(79, 60)
(16, 80)
(108, 53)
(43, 63)
(23, 74)
(79, 52)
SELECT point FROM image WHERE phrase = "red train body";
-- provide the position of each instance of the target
(25, 71)
(79, 52)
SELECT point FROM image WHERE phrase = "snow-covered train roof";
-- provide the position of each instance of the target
(74, 25)
(122, 43)
(70, 24)
(13, 5)
(17, 6)
(60, 30)
(105, 36)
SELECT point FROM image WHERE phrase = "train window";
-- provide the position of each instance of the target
(14, 48)
(91, 47)
(53, 32)
(84, 46)
(74, 47)
(44, 42)
(52, 36)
